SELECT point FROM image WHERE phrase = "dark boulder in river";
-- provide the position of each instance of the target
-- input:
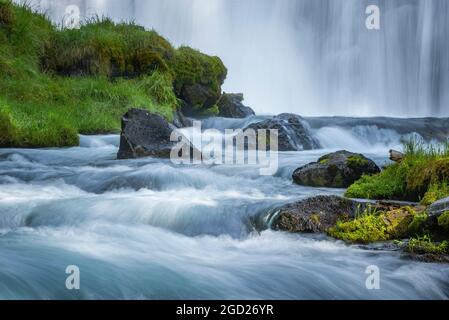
(314, 215)
(145, 134)
(230, 106)
(335, 170)
(293, 132)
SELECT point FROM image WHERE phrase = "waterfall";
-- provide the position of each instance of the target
(310, 57)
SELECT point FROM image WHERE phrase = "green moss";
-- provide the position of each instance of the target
(389, 184)
(398, 221)
(416, 226)
(424, 245)
(436, 192)
(324, 161)
(315, 218)
(369, 228)
(210, 112)
(422, 175)
(443, 220)
(192, 68)
(374, 227)
(357, 161)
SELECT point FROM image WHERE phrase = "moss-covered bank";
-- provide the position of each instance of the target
(422, 176)
(56, 83)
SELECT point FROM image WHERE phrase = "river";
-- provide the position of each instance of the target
(147, 229)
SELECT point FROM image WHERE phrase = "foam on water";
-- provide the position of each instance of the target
(147, 229)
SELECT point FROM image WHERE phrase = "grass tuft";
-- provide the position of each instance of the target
(425, 245)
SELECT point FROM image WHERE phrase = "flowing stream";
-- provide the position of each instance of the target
(146, 229)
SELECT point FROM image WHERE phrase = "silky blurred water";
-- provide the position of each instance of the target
(146, 229)
(310, 57)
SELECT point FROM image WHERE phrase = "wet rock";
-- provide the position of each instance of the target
(181, 121)
(314, 215)
(293, 132)
(230, 106)
(145, 134)
(336, 170)
(438, 208)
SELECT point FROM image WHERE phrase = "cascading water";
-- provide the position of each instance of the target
(310, 57)
(147, 229)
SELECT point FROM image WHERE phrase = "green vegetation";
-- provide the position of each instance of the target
(435, 192)
(57, 83)
(423, 175)
(425, 245)
(369, 228)
(443, 221)
(104, 48)
(193, 69)
(375, 226)
(418, 223)
(357, 161)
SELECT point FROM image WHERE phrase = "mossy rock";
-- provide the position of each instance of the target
(335, 170)
(147, 61)
(357, 161)
(314, 215)
(443, 221)
(398, 222)
(375, 227)
(419, 223)
(197, 79)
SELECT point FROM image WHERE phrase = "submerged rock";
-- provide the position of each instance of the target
(293, 132)
(336, 170)
(230, 106)
(145, 134)
(315, 215)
